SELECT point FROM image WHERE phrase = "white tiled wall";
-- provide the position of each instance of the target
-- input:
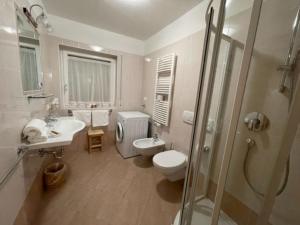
(14, 113)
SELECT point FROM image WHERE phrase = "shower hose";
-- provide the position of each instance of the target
(250, 144)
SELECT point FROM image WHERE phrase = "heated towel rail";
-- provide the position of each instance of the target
(164, 85)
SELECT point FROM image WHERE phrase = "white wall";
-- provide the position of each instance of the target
(15, 111)
(131, 78)
(190, 23)
(188, 51)
(72, 30)
(286, 208)
(94, 36)
(180, 29)
(184, 26)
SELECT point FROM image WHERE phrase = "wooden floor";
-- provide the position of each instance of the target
(105, 189)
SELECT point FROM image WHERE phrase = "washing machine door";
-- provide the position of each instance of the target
(119, 132)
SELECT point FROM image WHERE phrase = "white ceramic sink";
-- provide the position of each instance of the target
(66, 127)
(149, 146)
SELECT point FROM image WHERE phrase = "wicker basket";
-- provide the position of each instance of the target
(54, 174)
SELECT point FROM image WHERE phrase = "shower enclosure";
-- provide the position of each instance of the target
(242, 163)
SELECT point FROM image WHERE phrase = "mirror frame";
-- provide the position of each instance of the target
(35, 36)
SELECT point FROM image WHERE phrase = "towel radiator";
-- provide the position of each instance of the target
(164, 86)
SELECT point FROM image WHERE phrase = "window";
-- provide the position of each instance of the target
(88, 80)
(30, 68)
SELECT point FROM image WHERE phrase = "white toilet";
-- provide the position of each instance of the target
(171, 163)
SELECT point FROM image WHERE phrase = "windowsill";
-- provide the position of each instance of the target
(67, 107)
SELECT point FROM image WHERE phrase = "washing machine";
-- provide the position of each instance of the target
(131, 125)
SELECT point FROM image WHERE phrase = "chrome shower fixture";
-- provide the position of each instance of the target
(256, 121)
(289, 63)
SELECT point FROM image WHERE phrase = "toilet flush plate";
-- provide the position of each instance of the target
(188, 117)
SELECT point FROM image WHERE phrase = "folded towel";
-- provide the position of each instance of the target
(41, 138)
(83, 115)
(34, 128)
(100, 118)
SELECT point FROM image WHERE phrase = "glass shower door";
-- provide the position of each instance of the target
(196, 183)
(221, 60)
(259, 123)
(240, 147)
(219, 53)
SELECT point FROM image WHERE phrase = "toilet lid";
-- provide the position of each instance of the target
(170, 158)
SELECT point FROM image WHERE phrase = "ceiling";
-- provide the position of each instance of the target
(135, 18)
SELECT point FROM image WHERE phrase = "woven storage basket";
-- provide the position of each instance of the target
(54, 174)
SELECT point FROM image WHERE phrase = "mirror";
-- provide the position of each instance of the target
(29, 55)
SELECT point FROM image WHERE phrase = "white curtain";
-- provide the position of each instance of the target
(89, 81)
(29, 69)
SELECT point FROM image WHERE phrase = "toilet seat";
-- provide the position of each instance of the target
(170, 160)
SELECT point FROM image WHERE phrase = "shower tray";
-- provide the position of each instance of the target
(202, 214)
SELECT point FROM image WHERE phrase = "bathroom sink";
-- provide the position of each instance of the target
(149, 146)
(66, 125)
(65, 128)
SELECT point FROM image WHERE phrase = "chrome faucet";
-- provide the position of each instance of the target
(49, 118)
(155, 137)
(253, 124)
(256, 121)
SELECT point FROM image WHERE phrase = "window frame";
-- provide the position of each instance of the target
(65, 54)
(39, 68)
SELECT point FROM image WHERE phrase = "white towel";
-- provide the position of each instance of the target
(41, 138)
(34, 128)
(100, 118)
(83, 115)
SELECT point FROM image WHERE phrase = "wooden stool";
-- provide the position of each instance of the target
(95, 139)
